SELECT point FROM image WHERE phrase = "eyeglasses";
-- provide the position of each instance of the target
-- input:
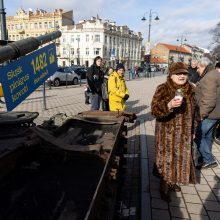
(178, 74)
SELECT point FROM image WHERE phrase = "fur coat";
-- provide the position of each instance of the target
(174, 133)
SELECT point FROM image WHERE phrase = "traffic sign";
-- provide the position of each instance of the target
(21, 77)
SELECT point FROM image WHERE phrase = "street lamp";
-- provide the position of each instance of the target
(3, 21)
(78, 61)
(150, 20)
(182, 40)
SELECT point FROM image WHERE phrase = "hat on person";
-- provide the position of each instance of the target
(120, 66)
(217, 65)
(178, 67)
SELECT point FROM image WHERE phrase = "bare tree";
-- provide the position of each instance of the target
(216, 39)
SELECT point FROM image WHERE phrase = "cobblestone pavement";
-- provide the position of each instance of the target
(199, 201)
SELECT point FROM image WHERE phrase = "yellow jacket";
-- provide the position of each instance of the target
(117, 89)
(1, 91)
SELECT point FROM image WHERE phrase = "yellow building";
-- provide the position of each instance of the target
(33, 24)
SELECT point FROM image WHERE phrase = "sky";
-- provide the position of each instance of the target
(192, 20)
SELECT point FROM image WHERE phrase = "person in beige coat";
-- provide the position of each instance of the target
(208, 103)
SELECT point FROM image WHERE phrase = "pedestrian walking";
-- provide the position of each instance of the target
(117, 89)
(173, 106)
(136, 71)
(95, 79)
(105, 99)
(208, 105)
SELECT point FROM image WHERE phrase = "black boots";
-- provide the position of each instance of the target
(175, 188)
(164, 191)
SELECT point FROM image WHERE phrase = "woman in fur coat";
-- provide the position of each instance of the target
(174, 130)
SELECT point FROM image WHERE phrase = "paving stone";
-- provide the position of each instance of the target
(207, 196)
(211, 178)
(195, 208)
(212, 206)
(198, 217)
(192, 198)
(214, 215)
(202, 181)
(159, 203)
(208, 172)
(203, 188)
(179, 212)
(155, 193)
(188, 189)
(176, 194)
(216, 192)
(177, 201)
(159, 214)
(214, 185)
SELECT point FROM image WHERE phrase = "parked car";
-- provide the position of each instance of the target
(64, 75)
(81, 72)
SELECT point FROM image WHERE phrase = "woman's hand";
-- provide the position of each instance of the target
(174, 103)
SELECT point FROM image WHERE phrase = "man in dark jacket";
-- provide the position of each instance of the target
(208, 102)
(95, 79)
(193, 74)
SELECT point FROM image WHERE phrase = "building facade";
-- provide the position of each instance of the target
(81, 42)
(33, 24)
(167, 53)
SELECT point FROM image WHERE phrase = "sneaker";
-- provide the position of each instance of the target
(2, 102)
(209, 165)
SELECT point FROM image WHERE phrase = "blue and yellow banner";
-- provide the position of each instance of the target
(21, 77)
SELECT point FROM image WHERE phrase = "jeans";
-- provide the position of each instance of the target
(95, 101)
(204, 139)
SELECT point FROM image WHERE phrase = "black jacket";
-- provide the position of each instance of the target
(193, 75)
(94, 79)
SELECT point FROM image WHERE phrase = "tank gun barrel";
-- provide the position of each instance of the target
(24, 46)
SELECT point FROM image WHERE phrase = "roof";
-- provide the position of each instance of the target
(157, 60)
(176, 48)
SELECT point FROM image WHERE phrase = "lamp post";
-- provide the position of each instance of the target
(149, 24)
(78, 61)
(182, 39)
(3, 21)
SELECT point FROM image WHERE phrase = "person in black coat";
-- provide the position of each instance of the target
(95, 77)
(193, 74)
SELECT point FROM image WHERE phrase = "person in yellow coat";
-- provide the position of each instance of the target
(1, 94)
(117, 89)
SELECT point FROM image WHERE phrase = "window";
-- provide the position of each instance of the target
(87, 38)
(35, 25)
(64, 39)
(45, 25)
(64, 51)
(40, 25)
(78, 38)
(72, 38)
(97, 38)
(106, 41)
(87, 51)
(72, 51)
(97, 51)
(50, 24)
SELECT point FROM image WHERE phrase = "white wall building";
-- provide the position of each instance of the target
(82, 42)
